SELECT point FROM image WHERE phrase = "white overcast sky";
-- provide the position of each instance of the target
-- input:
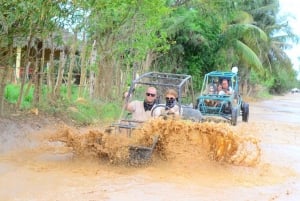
(290, 8)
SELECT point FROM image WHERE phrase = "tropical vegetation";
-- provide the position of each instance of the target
(57, 52)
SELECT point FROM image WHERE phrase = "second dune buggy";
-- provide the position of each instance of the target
(214, 104)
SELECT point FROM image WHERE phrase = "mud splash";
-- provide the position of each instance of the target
(178, 141)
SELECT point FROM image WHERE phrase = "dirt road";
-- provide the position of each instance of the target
(32, 169)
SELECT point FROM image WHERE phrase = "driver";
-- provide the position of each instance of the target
(141, 110)
(226, 89)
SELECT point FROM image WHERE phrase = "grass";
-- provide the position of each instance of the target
(12, 92)
(80, 110)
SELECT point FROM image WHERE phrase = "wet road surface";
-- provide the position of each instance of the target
(34, 170)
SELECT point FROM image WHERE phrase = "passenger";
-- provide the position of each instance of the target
(171, 107)
(171, 97)
(141, 110)
(220, 89)
(211, 90)
(226, 88)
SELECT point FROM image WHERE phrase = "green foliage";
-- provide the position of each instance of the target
(283, 81)
(74, 92)
(91, 111)
(110, 111)
(82, 111)
(12, 92)
(263, 94)
(85, 113)
(191, 37)
(127, 28)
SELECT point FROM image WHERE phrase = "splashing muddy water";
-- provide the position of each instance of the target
(258, 160)
(178, 140)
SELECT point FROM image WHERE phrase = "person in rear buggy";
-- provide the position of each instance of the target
(220, 90)
(171, 106)
(211, 91)
(226, 89)
(141, 110)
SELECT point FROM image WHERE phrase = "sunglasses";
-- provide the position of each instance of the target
(150, 94)
(170, 98)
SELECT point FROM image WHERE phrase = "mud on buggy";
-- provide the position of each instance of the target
(162, 82)
(213, 105)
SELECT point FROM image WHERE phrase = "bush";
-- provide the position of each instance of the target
(11, 93)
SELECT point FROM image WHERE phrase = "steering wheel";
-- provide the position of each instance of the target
(163, 106)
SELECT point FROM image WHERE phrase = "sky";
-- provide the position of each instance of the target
(290, 8)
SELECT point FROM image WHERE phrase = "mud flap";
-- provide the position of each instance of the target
(139, 155)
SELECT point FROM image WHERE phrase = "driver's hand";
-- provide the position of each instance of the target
(170, 113)
(125, 94)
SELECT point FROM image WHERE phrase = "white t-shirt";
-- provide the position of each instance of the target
(139, 113)
(222, 92)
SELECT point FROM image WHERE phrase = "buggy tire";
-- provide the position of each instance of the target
(234, 114)
(245, 112)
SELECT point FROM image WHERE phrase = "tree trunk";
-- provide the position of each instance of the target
(148, 61)
(36, 80)
(18, 64)
(71, 67)
(92, 62)
(104, 78)
(82, 69)
(39, 77)
(20, 98)
(3, 75)
(50, 72)
(60, 73)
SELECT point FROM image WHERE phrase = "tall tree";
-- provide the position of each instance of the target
(125, 32)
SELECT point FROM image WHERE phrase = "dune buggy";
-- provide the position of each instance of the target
(214, 104)
(162, 82)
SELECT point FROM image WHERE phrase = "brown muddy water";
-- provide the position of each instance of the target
(258, 160)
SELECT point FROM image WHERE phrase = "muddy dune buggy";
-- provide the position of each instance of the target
(162, 82)
(215, 105)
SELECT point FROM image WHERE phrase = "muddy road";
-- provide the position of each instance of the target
(34, 167)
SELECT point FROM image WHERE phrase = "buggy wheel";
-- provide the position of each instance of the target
(234, 114)
(245, 112)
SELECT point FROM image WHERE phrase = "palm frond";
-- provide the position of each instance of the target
(241, 30)
(247, 55)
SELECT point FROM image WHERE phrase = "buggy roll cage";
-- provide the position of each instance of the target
(159, 81)
(176, 81)
(230, 76)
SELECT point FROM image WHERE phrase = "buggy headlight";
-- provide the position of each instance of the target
(234, 69)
